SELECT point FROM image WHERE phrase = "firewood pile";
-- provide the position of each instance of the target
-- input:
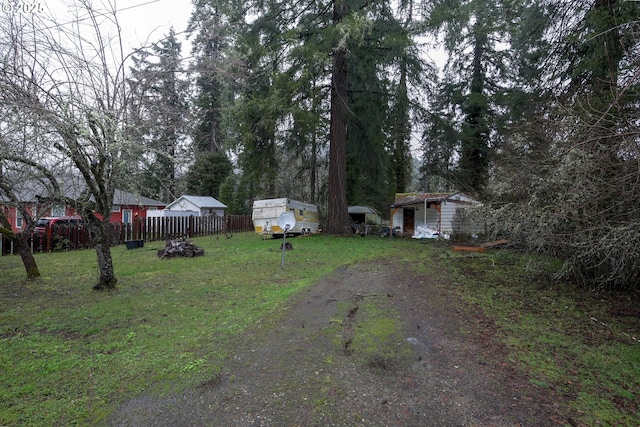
(176, 248)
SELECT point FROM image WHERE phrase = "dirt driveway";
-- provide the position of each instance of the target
(300, 369)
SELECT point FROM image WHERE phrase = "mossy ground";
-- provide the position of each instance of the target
(71, 355)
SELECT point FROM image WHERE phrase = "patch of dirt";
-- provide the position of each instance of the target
(298, 369)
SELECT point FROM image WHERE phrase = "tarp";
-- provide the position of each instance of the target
(424, 232)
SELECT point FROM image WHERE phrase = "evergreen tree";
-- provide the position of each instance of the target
(378, 126)
(400, 135)
(439, 149)
(207, 174)
(368, 99)
(160, 111)
(215, 25)
(232, 193)
(310, 67)
(415, 76)
(473, 31)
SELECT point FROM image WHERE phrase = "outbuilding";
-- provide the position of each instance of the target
(413, 213)
(127, 206)
(197, 206)
(365, 215)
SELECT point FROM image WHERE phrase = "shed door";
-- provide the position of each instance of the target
(408, 220)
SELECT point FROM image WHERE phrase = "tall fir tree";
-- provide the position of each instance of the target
(214, 26)
(160, 110)
(475, 35)
(311, 67)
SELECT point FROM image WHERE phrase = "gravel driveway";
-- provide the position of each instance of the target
(297, 369)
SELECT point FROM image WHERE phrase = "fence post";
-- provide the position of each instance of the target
(48, 244)
(164, 228)
(5, 246)
(134, 228)
(151, 228)
(141, 229)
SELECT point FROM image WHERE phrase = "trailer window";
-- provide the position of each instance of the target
(265, 213)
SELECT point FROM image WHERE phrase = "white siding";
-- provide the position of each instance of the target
(438, 220)
(167, 213)
(448, 214)
(203, 205)
(432, 217)
(186, 205)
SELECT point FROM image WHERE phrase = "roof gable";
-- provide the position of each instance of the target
(406, 199)
(199, 201)
(362, 210)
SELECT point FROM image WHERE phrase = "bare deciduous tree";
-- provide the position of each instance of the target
(71, 75)
(19, 176)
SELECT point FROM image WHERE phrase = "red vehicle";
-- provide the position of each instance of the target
(59, 229)
(56, 222)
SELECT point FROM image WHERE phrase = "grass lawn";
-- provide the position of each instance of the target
(71, 355)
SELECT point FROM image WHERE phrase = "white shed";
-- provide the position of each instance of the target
(412, 212)
(163, 213)
(197, 205)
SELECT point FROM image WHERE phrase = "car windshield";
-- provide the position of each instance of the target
(43, 222)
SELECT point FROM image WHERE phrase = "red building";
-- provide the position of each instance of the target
(126, 207)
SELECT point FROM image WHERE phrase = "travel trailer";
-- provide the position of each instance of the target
(266, 212)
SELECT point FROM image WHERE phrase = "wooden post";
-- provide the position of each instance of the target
(5, 245)
(48, 238)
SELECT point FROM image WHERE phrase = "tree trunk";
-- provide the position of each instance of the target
(29, 262)
(338, 215)
(107, 278)
(313, 168)
(21, 243)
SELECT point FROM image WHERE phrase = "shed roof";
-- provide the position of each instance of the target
(407, 199)
(362, 210)
(199, 201)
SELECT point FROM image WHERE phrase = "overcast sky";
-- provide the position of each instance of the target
(141, 21)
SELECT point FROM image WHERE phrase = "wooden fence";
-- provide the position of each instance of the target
(142, 229)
